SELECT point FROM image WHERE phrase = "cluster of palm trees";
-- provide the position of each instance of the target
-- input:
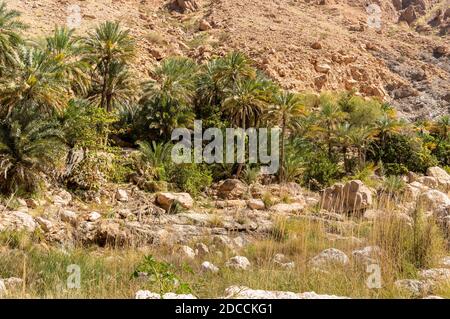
(65, 80)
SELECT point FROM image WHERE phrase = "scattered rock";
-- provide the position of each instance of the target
(122, 195)
(413, 286)
(93, 216)
(288, 208)
(232, 189)
(166, 200)
(187, 252)
(256, 204)
(331, 256)
(322, 68)
(240, 292)
(69, 216)
(17, 221)
(201, 249)
(145, 294)
(436, 274)
(209, 267)
(204, 25)
(316, 45)
(354, 196)
(238, 263)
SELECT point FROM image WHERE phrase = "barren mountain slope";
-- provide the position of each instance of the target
(306, 45)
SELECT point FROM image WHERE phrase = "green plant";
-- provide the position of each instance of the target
(163, 274)
(26, 152)
(191, 178)
(10, 34)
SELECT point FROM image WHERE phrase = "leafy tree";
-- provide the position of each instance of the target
(109, 49)
(37, 81)
(167, 99)
(27, 151)
(67, 51)
(10, 35)
(286, 112)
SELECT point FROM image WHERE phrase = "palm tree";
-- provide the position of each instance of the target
(246, 103)
(360, 138)
(385, 126)
(107, 47)
(442, 126)
(67, 51)
(234, 67)
(168, 98)
(286, 111)
(120, 87)
(330, 115)
(27, 150)
(343, 135)
(37, 81)
(10, 37)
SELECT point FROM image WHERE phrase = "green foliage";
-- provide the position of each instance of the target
(163, 274)
(321, 172)
(398, 152)
(10, 35)
(191, 178)
(86, 126)
(26, 152)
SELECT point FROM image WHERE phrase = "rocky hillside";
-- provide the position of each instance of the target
(397, 50)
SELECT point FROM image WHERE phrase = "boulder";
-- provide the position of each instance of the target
(434, 200)
(186, 252)
(238, 263)
(201, 249)
(93, 216)
(17, 221)
(69, 216)
(232, 189)
(354, 196)
(436, 275)
(165, 200)
(256, 204)
(441, 176)
(331, 256)
(413, 286)
(204, 25)
(122, 195)
(209, 267)
(322, 68)
(240, 292)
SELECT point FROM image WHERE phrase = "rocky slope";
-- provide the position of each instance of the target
(397, 50)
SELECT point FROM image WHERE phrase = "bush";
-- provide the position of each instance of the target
(321, 172)
(405, 151)
(191, 178)
(91, 172)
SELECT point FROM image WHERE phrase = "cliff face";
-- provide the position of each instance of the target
(397, 50)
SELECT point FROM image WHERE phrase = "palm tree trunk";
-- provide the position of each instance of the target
(282, 151)
(241, 165)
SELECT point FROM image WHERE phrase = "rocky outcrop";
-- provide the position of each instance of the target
(238, 263)
(329, 257)
(351, 197)
(231, 189)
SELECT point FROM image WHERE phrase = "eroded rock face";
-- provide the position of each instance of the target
(165, 200)
(241, 292)
(187, 5)
(351, 197)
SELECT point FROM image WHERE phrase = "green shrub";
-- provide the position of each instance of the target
(191, 178)
(321, 172)
(405, 150)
